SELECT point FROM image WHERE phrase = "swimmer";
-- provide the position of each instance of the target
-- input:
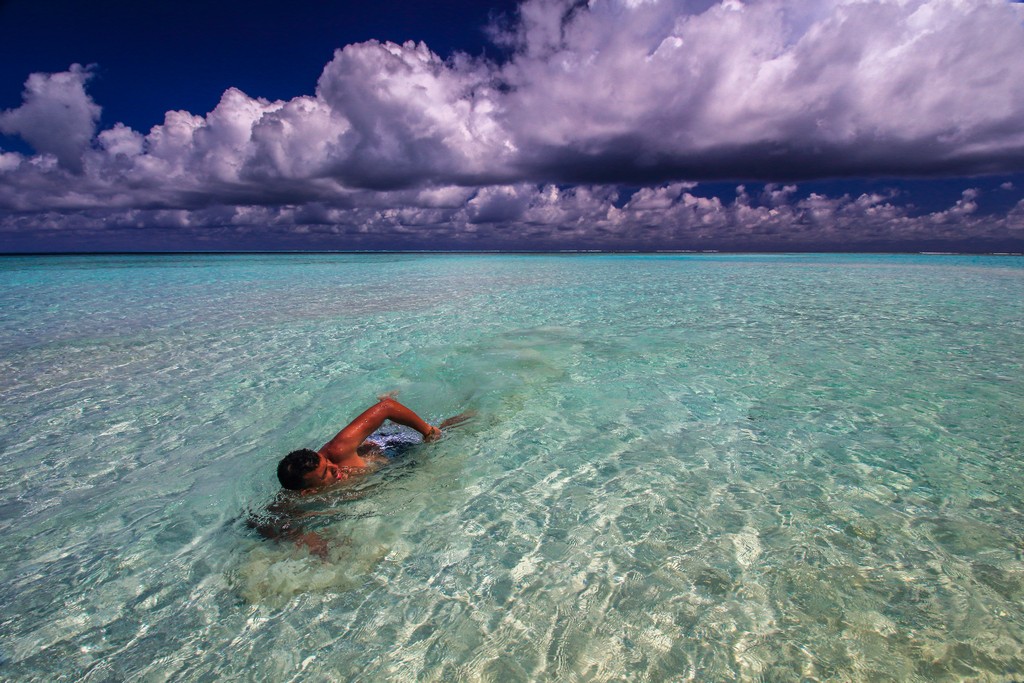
(349, 454)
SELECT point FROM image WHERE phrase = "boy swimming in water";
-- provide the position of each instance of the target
(348, 454)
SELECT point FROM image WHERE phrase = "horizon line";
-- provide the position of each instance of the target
(525, 252)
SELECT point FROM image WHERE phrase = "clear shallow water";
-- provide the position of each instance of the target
(683, 467)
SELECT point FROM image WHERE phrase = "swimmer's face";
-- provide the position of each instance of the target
(325, 474)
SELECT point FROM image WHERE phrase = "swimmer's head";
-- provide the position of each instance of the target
(294, 468)
(305, 469)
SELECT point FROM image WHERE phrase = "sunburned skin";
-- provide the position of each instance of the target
(346, 450)
(353, 456)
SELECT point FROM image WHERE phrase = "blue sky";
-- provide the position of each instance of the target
(614, 124)
(152, 57)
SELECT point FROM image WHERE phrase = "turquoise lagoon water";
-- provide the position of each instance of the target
(778, 468)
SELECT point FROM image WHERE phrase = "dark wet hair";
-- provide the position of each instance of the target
(294, 467)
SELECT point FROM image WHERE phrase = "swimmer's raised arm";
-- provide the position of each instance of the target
(348, 439)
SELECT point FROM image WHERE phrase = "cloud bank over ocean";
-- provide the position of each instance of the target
(592, 98)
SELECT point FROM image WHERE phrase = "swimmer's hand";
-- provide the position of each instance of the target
(435, 432)
(457, 420)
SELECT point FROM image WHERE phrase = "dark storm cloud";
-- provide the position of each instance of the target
(637, 92)
(673, 216)
(646, 92)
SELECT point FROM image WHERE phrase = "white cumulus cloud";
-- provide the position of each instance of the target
(57, 116)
